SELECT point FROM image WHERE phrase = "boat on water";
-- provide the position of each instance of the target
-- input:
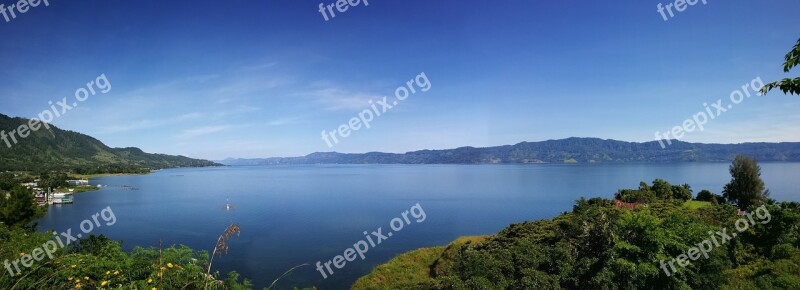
(62, 198)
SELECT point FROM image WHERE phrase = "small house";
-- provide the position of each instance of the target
(78, 182)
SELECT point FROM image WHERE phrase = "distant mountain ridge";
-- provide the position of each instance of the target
(57, 149)
(570, 150)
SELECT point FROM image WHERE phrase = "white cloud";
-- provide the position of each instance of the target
(148, 123)
(338, 99)
(235, 111)
(282, 122)
(200, 131)
(259, 66)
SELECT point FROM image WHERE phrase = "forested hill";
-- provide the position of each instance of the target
(571, 150)
(57, 149)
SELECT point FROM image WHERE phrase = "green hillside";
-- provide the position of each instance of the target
(599, 245)
(57, 149)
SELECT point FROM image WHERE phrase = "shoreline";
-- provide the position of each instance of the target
(90, 176)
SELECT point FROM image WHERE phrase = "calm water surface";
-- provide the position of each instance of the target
(303, 214)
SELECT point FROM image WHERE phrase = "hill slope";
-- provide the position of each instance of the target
(571, 150)
(601, 246)
(58, 149)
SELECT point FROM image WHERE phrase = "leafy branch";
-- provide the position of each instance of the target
(787, 85)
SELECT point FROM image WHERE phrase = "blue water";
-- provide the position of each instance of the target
(291, 215)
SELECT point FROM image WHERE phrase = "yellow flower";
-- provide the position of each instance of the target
(85, 278)
(154, 288)
(78, 281)
(108, 272)
(104, 283)
(21, 254)
(169, 265)
(116, 272)
(159, 275)
(149, 280)
(78, 286)
(69, 279)
(73, 266)
(162, 268)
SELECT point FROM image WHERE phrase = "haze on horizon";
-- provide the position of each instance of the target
(263, 79)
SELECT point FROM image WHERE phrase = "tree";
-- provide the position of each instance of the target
(635, 195)
(7, 180)
(787, 85)
(682, 192)
(746, 187)
(53, 180)
(706, 195)
(19, 207)
(662, 188)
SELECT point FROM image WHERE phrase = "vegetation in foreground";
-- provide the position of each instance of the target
(601, 245)
(787, 85)
(92, 262)
(98, 263)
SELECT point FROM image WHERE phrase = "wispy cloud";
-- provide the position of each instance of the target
(201, 131)
(138, 125)
(244, 87)
(338, 99)
(259, 66)
(235, 111)
(283, 122)
(148, 123)
(203, 78)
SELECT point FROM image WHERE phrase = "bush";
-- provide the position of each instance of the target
(704, 195)
(97, 262)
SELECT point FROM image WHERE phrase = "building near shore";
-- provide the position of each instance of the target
(78, 182)
(62, 198)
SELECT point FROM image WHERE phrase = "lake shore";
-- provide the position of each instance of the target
(90, 176)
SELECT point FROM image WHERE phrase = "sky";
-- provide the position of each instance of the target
(250, 79)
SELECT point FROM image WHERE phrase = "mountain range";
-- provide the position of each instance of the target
(57, 149)
(570, 150)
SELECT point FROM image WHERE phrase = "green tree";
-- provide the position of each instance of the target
(18, 208)
(705, 195)
(662, 188)
(53, 180)
(682, 192)
(635, 195)
(787, 85)
(746, 187)
(7, 180)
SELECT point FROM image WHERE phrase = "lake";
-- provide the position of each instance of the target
(291, 215)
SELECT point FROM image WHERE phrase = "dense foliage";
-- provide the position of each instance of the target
(98, 263)
(599, 246)
(56, 149)
(571, 150)
(606, 244)
(746, 187)
(661, 190)
(92, 262)
(18, 207)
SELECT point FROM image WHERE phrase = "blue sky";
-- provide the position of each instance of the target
(216, 79)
